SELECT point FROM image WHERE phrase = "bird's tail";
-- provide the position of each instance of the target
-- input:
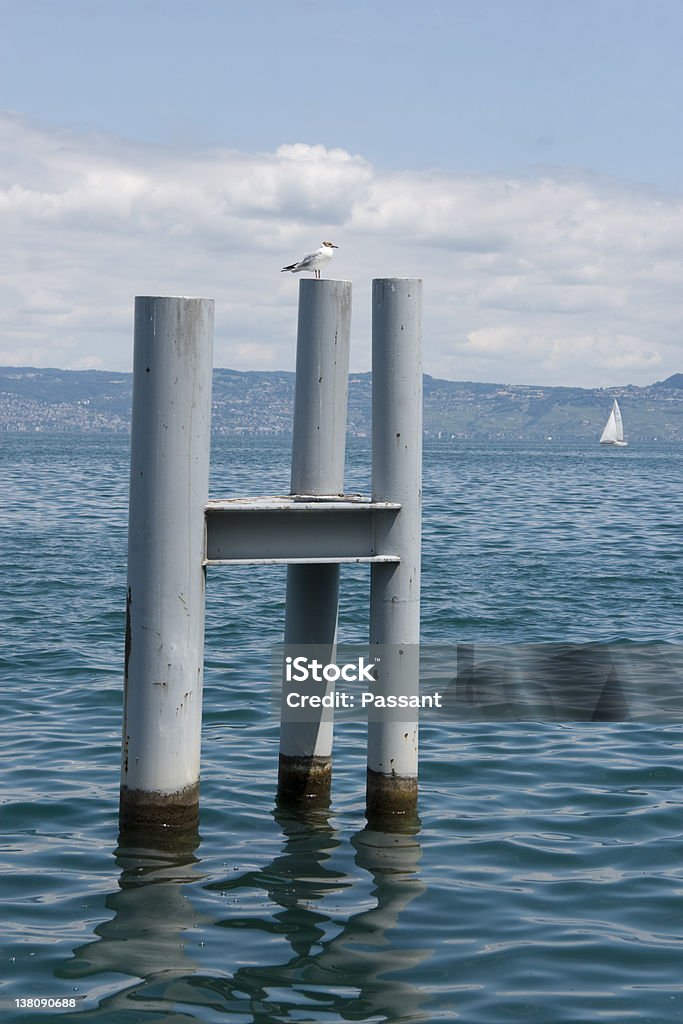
(288, 268)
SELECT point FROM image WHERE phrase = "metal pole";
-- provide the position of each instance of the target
(395, 588)
(169, 482)
(318, 453)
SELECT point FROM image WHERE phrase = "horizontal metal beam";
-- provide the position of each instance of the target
(298, 529)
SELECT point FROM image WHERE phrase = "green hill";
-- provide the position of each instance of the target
(261, 402)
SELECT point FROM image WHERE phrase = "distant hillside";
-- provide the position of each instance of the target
(257, 402)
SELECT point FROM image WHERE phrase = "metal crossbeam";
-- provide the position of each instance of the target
(299, 529)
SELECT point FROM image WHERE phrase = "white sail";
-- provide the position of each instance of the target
(614, 428)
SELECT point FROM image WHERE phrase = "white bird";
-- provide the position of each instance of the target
(314, 260)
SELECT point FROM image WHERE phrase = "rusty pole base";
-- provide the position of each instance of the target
(305, 780)
(159, 812)
(390, 798)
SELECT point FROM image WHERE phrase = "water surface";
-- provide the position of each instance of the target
(544, 882)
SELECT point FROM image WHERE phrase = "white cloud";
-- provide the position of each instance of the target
(556, 356)
(559, 278)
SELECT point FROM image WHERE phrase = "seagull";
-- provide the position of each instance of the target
(314, 260)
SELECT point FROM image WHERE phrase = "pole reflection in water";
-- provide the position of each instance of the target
(343, 968)
(303, 937)
(144, 939)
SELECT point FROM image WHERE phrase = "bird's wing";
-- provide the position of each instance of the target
(309, 258)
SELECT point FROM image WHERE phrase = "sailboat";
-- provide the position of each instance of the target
(614, 428)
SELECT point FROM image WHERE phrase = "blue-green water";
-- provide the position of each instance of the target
(545, 882)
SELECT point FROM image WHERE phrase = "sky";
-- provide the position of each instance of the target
(524, 158)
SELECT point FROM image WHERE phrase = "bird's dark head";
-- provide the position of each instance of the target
(331, 245)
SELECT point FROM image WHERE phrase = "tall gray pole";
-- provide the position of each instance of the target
(395, 588)
(169, 483)
(318, 453)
